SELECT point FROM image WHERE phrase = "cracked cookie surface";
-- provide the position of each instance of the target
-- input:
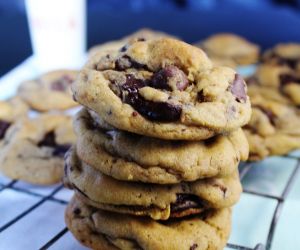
(132, 157)
(160, 202)
(98, 229)
(50, 91)
(33, 149)
(163, 88)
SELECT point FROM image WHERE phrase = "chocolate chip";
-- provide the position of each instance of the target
(126, 62)
(157, 111)
(124, 48)
(238, 89)
(3, 128)
(194, 246)
(288, 78)
(186, 201)
(200, 96)
(77, 211)
(61, 149)
(49, 141)
(62, 83)
(170, 78)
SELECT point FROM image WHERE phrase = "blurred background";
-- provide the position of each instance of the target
(265, 22)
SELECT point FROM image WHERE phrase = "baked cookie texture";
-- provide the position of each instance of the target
(33, 149)
(131, 157)
(50, 91)
(160, 202)
(230, 49)
(10, 111)
(142, 34)
(98, 229)
(163, 88)
(274, 128)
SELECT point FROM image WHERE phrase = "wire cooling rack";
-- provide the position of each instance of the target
(48, 232)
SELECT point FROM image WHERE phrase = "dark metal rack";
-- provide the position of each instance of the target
(244, 170)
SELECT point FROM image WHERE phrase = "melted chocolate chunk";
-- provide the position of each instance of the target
(3, 128)
(238, 88)
(200, 96)
(62, 84)
(169, 78)
(287, 78)
(49, 141)
(194, 246)
(157, 111)
(126, 62)
(186, 201)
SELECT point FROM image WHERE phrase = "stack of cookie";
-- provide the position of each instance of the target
(159, 141)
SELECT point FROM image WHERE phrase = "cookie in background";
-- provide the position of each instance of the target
(33, 149)
(11, 110)
(227, 49)
(50, 91)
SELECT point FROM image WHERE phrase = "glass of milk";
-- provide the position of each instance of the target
(58, 33)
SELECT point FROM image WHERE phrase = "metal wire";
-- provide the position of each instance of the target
(246, 167)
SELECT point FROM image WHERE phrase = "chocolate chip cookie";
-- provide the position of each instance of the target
(274, 128)
(50, 91)
(33, 149)
(160, 202)
(282, 77)
(131, 157)
(142, 34)
(98, 229)
(10, 111)
(231, 49)
(284, 54)
(163, 88)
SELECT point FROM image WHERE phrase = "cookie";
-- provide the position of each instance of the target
(163, 88)
(33, 149)
(268, 93)
(131, 157)
(160, 202)
(142, 34)
(98, 229)
(230, 47)
(50, 91)
(281, 77)
(274, 128)
(10, 111)
(284, 54)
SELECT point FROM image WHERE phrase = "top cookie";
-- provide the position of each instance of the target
(163, 88)
(142, 34)
(50, 91)
(231, 47)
